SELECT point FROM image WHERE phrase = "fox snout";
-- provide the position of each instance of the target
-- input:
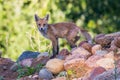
(41, 29)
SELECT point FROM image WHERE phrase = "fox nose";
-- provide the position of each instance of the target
(41, 28)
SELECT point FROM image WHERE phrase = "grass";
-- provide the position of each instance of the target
(26, 71)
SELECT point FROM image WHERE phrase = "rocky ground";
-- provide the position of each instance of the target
(98, 61)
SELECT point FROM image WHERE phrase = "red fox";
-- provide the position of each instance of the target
(67, 30)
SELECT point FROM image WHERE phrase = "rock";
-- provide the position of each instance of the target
(81, 52)
(74, 62)
(118, 52)
(113, 47)
(117, 63)
(23, 63)
(91, 61)
(117, 56)
(96, 71)
(109, 75)
(86, 45)
(117, 42)
(5, 72)
(45, 74)
(103, 40)
(105, 60)
(30, 77)
(95, 48)
(101, 52)
(26, 62)
(30, 62)
(6, 61)
(35, 76)
(27, 54)
(76, 68)
(109, 55)
(63, 54)
(5, 64)
(40, 60)
(106, 63)
(60, 78)
(55, 65)
(44, 54)
(74, 56)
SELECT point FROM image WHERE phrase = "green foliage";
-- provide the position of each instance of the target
(18, 30)
(38, 67)
(70, 72)
(26, 71)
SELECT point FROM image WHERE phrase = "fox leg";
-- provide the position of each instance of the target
(71, 42)
(72, 38)
(76, 39)
(55, 47)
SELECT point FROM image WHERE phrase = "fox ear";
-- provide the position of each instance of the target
(36, 17)
(46, 17)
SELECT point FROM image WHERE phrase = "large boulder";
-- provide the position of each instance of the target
(80, 53)
(27, 55)
(107, 63)
(55, 65)
(104, 59)
(76, 68)
(91, 61)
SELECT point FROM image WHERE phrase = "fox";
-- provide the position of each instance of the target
(53, 32)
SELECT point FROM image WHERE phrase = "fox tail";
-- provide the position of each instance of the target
(86, 35)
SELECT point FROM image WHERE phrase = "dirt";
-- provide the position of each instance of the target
(5, 72)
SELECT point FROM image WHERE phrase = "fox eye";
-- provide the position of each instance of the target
(43, 24)
(39, 24)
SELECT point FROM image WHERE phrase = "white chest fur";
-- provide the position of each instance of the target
(44, 34)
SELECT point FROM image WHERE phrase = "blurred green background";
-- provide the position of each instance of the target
(18, 31)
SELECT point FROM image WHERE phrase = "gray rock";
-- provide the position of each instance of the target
(27, 54)
(101, 52)
(109, 75)
(45, 74)
(44, 54)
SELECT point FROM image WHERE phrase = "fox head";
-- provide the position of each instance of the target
(42, 23)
